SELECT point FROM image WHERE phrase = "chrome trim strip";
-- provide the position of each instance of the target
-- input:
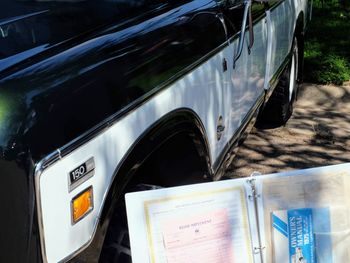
(17, 18)
(220, 16)
(236, 56)
(39, 168)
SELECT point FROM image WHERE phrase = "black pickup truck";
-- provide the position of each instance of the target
(98, 97)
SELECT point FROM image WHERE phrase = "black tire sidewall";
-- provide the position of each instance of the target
(287, 107)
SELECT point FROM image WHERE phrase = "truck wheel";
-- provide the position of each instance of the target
(279, 108)
(116, 247)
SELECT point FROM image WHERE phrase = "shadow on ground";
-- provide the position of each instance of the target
(318, 134)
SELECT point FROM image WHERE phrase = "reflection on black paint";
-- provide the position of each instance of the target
(60, 20)
(103, 71)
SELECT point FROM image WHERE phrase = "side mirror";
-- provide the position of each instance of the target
(247, 15)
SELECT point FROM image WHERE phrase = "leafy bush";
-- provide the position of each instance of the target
(327, 47)
(332, 69)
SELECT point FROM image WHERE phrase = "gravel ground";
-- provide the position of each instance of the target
(317, 134)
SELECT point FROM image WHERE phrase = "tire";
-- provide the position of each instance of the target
(279, 108)
(116, 247)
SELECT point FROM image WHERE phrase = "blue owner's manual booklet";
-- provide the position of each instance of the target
(294, 235)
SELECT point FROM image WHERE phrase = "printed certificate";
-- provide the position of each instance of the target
(200, 238)
(217, 228)
(206, 223)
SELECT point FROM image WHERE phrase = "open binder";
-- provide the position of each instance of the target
(298, 216)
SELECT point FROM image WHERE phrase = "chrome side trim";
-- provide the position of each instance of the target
(247, 4)
(17, 18)
(39, 168)
(222, 21)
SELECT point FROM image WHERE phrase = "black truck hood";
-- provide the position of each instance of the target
(45, 47)
(32, 28)
(80, 71)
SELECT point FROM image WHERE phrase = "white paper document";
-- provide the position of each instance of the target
(301, 216)
(201, 238)
(196, 224)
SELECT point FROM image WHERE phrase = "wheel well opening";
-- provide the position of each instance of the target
(172, 152)
(176, 162)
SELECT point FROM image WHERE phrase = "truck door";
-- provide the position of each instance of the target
(248, 72)
(280, 34)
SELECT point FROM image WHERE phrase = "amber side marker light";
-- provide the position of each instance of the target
(82, 204)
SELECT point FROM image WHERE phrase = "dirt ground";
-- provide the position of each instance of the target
(317, 134)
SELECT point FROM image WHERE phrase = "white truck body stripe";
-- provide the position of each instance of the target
(207, 90)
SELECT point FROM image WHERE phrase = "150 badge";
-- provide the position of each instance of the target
(81, 173)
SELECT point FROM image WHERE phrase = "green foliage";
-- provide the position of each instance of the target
(332, 69)
(327, 47)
